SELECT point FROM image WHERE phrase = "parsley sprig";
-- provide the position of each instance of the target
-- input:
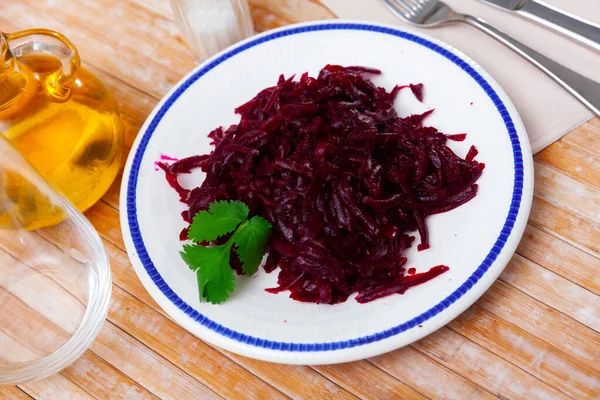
(216, 279)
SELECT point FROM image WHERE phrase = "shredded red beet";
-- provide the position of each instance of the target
(417, 90)
(459, 137)
(342, 179)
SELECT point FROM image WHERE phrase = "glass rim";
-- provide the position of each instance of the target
(91, 323)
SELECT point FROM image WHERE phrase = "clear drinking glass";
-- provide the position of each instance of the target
(209, 26)
(55, 281)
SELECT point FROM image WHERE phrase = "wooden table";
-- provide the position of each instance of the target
(534, 334)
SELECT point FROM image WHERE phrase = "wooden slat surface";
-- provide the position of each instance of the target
(534, 334)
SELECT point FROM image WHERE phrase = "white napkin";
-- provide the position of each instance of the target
(547, 110)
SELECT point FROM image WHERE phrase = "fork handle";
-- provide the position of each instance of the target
(583, 89)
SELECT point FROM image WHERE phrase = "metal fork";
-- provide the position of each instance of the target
(432, 13)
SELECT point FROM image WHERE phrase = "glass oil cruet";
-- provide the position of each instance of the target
(60, 118)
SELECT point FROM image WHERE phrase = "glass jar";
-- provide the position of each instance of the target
(55, 282)
(59, 116)
(209, 26)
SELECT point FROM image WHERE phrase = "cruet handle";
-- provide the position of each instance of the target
(51, 43)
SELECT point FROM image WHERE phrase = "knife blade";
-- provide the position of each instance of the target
(552, 17)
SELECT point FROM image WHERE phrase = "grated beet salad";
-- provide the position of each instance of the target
(342, 179)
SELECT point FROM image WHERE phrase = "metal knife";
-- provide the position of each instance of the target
(552, 17)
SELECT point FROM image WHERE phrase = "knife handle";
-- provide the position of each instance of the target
(583, 89)
(568, 24)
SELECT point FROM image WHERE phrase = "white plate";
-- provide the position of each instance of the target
(475, 240)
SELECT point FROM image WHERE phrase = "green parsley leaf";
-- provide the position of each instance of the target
(221, 218)
(250, 240)
(216, 279)
(213, 273)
